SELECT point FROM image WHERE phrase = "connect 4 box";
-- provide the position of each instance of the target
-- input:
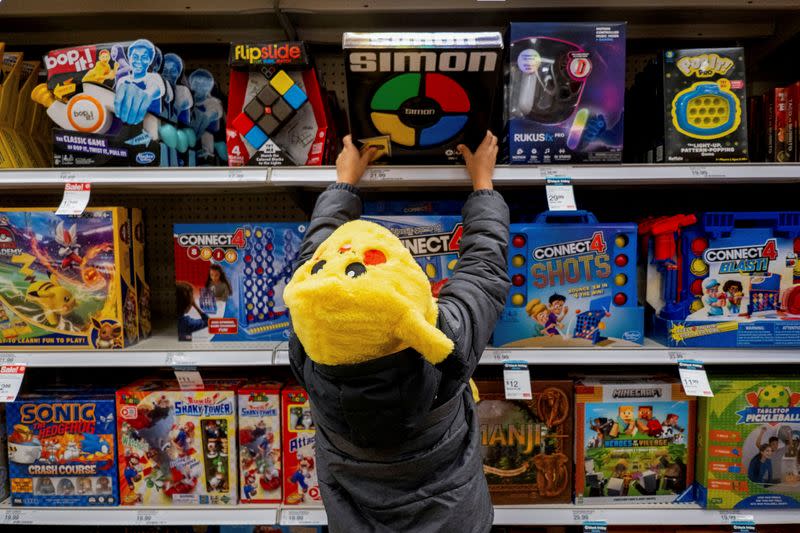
(67, 280)
(259, 421)
(62, 448)
(573, 284)
(300, 485)
(230, 279)
(748, 443)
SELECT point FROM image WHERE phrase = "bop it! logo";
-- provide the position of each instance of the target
(705, 65)
(571, 262)
(743, 259)
(771, 404)
(435, 243)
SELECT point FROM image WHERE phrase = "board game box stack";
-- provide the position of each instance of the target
(260, 442)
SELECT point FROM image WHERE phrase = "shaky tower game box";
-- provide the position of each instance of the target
(260, 442)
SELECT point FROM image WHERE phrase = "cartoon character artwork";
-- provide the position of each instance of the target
(109, 334)
(734, 293)
(299, 474)
(259, 442)
(69, 249)
(645, 423)
(625, 423)
(54, 300)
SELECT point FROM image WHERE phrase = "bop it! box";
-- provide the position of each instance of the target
(739, 282)
(300, 485)
(527, 445)
(704, 95)
(230, 279)
(177, 447)
(276, 106)
(634, 440)
(566, 92)
(260, 442)
(419, 95)
(67, 280)
(434, 242)
(573, 284)
(62, 448)
(748, 443)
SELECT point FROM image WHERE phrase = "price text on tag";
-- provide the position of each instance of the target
(150, 518)
(16, 516)
(517, 379)
(560, 196)
(295, 517)
(76, 198)
(694, 378)
(189, 378)
(10, 382)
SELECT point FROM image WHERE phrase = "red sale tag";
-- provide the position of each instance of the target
(10, 382)
(76, 198)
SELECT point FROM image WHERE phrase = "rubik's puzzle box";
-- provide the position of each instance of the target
(62, 448)
(230, 279)
(67, 280)
(433, 241)
(300, 485)
(748, 443)
(736, 283)
(419, 95)
(634, 440)
(705, 116)
(573, 284)
(566, 92)
(527, 445)
(177, 447)
(259, 421)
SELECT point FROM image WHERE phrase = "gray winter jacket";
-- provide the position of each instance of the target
(398, 446)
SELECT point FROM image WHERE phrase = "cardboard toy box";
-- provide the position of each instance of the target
(300, 485)
(748, 443)
(4, 488)
(259, 422)
(418, 96)
(573, 284)
(139, 274)
(527, 445)
(705, 117)
(177, 447)
(230, 279)
(62, 448)
(68, 281)
(634, 439)
(566, 92)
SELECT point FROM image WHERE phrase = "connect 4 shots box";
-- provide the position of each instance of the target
(67, 280)
(737, 283)
(416, 96)
(230, 279)
(748, 443)
(434, 242)
(527, 445)
(260, 442)
(634, 440)
(573, 284)
(276, 111)
(566, 92)
(177, 447)
(62, 448)
(704, 95)
(300, 485)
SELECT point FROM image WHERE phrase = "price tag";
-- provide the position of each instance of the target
(496, 356)
(744, 526)
(76, 198)
(581, 517)
(300, 517)
(382, 174)
(236, 175)
(517, 379)
(67, 175)
(560, 196)
(694, 378)
(16, 516)
(595, 526)
(676, 355)
(189, 378)
(10, 382)
(180, 359)
(150, 518)
(7, 358)
(730, 518)
(281, 357)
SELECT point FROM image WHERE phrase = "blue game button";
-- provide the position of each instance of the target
(295, 96)
(256, 137)
(446, 128)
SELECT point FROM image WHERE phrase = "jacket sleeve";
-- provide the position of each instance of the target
(473, 298)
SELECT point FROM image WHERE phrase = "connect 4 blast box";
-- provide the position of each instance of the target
(62, 448)
(276, 107)
(230, 279)
(259, 420)
(300, 485)
(634, 441)
(566, 92)
(748, 443)
(177, 447)
(416, 96)
(705, 117)
(725, 279)
(67, 280)
(573, 284)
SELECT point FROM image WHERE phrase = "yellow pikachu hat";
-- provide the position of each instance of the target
(362, 296)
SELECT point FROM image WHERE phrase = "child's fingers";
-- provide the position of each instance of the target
(369, 155)
(465, 152)
(347, 141)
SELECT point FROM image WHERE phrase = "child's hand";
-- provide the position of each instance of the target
(350, 165)
(480, 165)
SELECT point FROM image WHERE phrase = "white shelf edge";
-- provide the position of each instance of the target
(195, 178)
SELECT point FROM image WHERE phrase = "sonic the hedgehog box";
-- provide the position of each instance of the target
(62, 448)
(417, 96)
(705, 117)
(748, 443)
(67, 280)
